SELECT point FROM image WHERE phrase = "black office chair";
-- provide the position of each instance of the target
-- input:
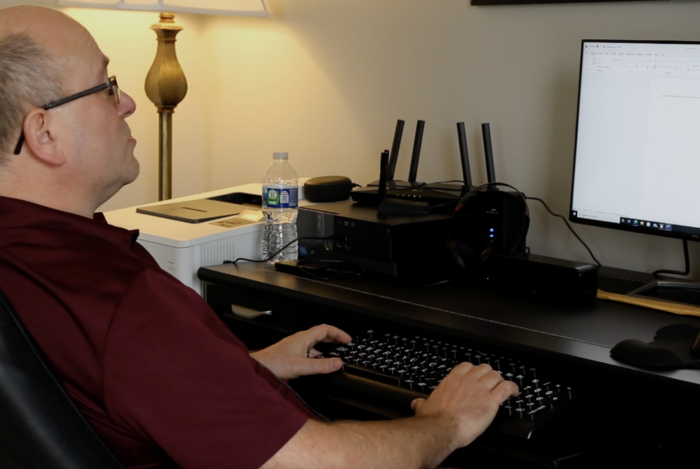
(40, 426)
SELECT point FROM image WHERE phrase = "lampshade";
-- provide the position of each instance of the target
(205, 7)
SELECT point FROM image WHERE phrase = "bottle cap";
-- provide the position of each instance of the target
(280, 155)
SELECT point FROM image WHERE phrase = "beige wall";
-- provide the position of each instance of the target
(326, 80)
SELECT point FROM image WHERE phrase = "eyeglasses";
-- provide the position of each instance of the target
(113, 91)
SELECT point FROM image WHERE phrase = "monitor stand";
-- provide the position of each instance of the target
(672, 290)
(685, 292)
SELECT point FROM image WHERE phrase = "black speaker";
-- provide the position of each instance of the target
(327, 189)
(542, 277)
(488, 222)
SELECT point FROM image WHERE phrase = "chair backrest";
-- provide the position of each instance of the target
(40, 426)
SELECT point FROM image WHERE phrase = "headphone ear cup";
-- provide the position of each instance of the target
(486, 256)
(462, 254)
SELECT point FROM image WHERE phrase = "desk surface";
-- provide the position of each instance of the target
(583, 334)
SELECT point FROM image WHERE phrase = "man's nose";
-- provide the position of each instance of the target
(126, 106)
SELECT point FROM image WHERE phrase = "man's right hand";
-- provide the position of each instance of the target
(469, 397)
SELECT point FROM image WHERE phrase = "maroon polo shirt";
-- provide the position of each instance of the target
(161, 379)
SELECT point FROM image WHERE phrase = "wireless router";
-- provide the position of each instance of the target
(436, 196)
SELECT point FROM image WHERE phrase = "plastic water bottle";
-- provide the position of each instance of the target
(279, 201)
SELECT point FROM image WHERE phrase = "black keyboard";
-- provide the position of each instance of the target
(401, 368)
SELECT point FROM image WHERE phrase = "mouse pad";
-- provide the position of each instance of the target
(671, 348)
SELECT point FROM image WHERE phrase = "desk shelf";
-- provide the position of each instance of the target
(638, 423)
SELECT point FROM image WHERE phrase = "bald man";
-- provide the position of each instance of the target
(160, 378)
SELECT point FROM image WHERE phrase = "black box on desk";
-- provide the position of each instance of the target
(543, 277)
(411, 247)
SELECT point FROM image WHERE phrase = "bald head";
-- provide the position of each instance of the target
(59, 34)
(33, 21)
(33, 64)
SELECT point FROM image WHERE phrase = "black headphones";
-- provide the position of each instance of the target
(485, 223)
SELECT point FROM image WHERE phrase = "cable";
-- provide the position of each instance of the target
(456, 181)
(657, 273)
(568, 226)
(236, 261)
(435, 208)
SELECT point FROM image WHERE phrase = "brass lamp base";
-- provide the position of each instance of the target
(166, 87)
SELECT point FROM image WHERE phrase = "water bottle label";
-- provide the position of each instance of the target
(276, 197)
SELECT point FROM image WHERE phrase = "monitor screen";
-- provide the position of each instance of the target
(637, 153)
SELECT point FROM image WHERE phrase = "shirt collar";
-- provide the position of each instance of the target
(16, 213)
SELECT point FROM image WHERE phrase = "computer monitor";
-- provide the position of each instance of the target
(637, 154)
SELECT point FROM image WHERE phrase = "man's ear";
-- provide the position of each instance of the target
(40, 138)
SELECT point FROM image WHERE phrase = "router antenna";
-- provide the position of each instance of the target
(398, 133)
(464, 155)
(383, 169)
(417, 142)
(488, 153)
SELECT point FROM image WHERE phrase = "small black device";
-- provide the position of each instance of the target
(542, 277)
(327, 189)
(404, 246)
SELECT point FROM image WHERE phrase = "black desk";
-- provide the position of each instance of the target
(641, 419)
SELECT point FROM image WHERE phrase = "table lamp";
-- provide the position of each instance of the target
(166, 84)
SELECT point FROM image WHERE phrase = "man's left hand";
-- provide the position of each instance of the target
(295, 355)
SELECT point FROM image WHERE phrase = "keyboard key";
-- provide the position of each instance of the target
(536, 413)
